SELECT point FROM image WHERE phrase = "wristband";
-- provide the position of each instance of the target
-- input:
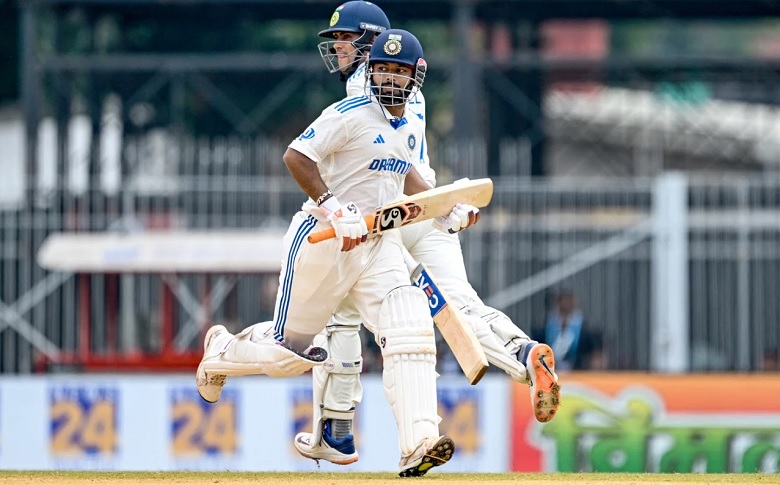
(327, 195)
(331, 205)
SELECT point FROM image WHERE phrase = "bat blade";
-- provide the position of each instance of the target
(421, 207)
(453, 327)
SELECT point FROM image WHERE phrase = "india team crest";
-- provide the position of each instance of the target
(334, 19)
(393, 45)
(412, 142)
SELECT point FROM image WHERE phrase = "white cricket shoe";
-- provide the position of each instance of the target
(428, 454)
(210, 385)
(545, 390)
(339, 451)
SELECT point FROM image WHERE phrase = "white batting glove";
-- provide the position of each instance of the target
(349, 225)
(461, 217)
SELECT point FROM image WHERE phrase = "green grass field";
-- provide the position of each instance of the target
(316, 478)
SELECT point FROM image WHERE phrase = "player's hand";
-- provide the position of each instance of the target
(349, 225)
(461, 217)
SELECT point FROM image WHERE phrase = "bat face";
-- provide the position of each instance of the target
(396, 216)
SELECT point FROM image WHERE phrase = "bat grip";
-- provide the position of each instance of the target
(411, 264)
(330, 233)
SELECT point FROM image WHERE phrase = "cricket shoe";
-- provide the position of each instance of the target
(210, 385)
(545, 390)
(430, 453)
(339, 451)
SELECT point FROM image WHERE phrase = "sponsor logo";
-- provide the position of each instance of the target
(395, 165)
(202, 429)
(436, 300)
(374, 27)
(459, 411)
(396, 216)
(634, 432)
(83, 421)
(307, 135)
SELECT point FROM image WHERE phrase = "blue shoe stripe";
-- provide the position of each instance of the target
(344, 445)
(284, 303)
(526, 350)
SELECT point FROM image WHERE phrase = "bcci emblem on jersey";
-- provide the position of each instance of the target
(412, 142)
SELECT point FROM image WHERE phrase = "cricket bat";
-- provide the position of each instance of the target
(451, 322)
(421, 207)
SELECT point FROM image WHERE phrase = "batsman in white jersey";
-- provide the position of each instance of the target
(337, 389)
(362, 151)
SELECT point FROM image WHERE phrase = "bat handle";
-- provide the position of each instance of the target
(330, 233)
(411, 264)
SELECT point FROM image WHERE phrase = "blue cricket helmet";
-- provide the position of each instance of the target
(396, 45)
(360, 17)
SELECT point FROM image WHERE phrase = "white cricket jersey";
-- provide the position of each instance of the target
(356, 86)
(361, 155)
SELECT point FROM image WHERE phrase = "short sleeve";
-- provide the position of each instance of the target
(327, 134)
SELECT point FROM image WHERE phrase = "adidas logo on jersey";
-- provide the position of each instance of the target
(379, 139)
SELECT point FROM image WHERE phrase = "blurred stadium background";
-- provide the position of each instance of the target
(635, 148)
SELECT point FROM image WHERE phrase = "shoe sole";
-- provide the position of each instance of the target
(214, 379)
(335, 462)
(547, 395)
(437, 455)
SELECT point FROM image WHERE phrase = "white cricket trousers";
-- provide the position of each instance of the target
(315, 278)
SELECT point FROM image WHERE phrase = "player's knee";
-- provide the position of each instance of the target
(405, 325)
(344, 342)
(484, 317)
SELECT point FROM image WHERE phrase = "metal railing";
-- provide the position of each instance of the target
(593, 236)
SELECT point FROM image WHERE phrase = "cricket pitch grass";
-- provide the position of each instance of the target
(324, 478)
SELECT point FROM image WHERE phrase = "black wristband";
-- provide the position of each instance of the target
(327, 195)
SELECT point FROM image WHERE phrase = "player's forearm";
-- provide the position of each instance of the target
(414, 183)
(304, 170)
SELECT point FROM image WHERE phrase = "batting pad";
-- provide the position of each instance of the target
(336, 383)
(405, 334)
(500, 339)
(254, 352)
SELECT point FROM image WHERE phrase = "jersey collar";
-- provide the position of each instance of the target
(394, 122)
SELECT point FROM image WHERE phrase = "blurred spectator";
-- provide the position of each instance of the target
(770, 361)
(576, 346)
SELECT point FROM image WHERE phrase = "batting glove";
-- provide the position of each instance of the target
(349, 225)
(461, 217)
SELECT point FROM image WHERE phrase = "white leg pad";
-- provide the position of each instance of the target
(255, 351)
(405, 335)
(336, 383)
(501, 339)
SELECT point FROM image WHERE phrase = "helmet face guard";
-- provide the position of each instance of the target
(398, 47)
(331, 58)
(359, 17)
(396, 89)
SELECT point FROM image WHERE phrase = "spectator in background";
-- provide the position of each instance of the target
(575, 345)
(770, 361)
